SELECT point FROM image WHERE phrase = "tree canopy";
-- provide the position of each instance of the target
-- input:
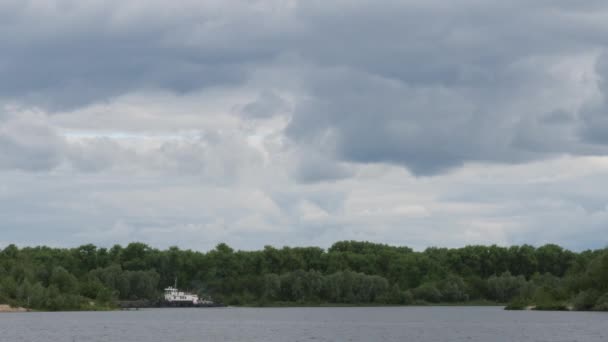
(349, 272)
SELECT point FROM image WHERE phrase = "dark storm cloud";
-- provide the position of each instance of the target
(312, 168)
(66, 54)
(432, 86)
(430, 129)
(424, 84)
(76, 72)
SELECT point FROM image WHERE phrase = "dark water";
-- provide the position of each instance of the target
(306, 324)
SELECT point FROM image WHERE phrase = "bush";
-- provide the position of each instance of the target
(545, 299)
(394, 296)
(602, 303)
(427, 292)
(586, 300)
(408, 297)
(453, 289)
(552, 306)
(505, 287)
(517, 304)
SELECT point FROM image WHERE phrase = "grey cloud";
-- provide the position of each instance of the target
(431, 128)
(328, 197)
(422, 84)
(85, 71)
(28, 143)
(433, 86)
(212, 158)
(72, 54)
(268, 104)
(440, 88)
(430, 42)
(97, 154)
(369, 119)
(594, 126)
(221, 159)
(312, 168)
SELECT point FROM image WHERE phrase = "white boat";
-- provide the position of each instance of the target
(175, 297)
(179, 298)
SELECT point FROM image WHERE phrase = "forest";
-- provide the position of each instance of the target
(348, 273)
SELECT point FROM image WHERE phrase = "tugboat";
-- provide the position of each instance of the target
(175, 298)
(172, 298)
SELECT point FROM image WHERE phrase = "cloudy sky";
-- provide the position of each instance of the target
(288, 122)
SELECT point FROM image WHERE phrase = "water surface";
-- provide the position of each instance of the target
(410, 324)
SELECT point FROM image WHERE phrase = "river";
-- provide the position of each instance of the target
(400, 324)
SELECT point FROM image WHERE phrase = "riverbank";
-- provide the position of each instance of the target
(550, 307)
(8, 308)
(364, 305)
(478, 303)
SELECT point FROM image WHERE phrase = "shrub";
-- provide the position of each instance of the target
(586, 300)
(427, 292)
(602, 303)
(517, 304)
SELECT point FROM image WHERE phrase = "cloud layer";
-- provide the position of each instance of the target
(303, 122)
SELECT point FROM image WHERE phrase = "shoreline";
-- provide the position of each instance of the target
(5, 308)
(370, 305)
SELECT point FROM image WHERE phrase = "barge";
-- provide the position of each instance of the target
(172, 298)
(175, 298)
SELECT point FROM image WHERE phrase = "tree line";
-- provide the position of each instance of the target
(349, 272)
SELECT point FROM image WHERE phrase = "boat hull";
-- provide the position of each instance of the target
(143, 304)
(166, 304)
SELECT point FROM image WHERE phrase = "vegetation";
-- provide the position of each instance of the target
(348, 273)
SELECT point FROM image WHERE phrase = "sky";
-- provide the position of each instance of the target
(286, 122)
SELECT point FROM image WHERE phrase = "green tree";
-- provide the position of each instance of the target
(64, 281)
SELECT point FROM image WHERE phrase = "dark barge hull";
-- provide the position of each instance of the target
(148, 304)
(164, 304)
